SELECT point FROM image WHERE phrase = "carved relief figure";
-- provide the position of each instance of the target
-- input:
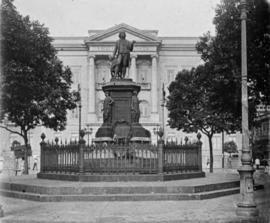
(122, 51)
(135, 108)
(107, 109)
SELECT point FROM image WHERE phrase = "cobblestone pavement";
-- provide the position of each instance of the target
(213, 210)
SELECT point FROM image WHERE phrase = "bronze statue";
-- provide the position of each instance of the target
(115, 65)
(121, 52)
(107, 109)
(135, 108)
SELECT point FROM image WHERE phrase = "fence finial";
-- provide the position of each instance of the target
(56, 140)
(199, 135)
(160, 133)
(82, 133)
(42, 136)
(186, 140)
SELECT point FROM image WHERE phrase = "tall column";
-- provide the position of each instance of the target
(91, 85)
(154, 96)
(133, 70)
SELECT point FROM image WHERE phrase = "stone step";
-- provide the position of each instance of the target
(119, 197)
(81, 189)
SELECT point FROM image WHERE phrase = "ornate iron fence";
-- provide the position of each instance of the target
(119, 158)
(182, 158)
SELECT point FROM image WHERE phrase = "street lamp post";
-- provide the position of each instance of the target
(88, 132)
(247, 206)
(163, 106)
(80, 107)
(156, 132)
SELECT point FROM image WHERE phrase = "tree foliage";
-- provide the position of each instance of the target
(208, 98)
(223, 54)
(191, 109)
(35, 84)
(230, 147)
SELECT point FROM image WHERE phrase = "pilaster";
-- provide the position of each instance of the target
(154, 96)
(92, 89)
(133, 70)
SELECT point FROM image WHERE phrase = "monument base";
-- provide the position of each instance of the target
(105, 131)
(124, 113)
(139, 131)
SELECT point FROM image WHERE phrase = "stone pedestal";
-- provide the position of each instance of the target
(122, 123)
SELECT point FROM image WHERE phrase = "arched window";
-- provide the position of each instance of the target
(143, 71)
(102, 71)
(144, 109)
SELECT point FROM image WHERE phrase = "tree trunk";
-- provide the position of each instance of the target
(25, 152)
(211, 152)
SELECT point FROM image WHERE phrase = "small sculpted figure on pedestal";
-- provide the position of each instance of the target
(107, 109)
(135, 108)
(121, 56)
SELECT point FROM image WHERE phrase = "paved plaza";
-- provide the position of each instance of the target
(212, 210)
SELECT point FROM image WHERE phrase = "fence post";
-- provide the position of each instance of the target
(42, 152)
(54, 158)
(199, 143)
(81, 157)
(160, 155)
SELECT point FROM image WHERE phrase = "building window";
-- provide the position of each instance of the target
(76, 76)
(232, 138)
(74, 113)
(143, 71)
(144, 109)
(102, 71)
(74, 137)
(265, 129)
(170, 75)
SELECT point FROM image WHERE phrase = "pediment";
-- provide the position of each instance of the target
(111, 34)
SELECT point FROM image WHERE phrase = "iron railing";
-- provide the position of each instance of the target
(119, 158)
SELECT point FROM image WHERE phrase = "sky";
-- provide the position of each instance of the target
(76, 17)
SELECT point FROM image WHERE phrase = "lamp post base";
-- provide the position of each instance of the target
(246, 207)
(1, 212)
(247, 211)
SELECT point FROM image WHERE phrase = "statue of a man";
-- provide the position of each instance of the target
(107, 108)
(135, 108)
(122, 51)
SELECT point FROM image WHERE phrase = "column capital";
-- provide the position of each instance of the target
(154, 56)
(91, 56)
(132, 55)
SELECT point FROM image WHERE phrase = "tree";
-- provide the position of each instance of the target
(230, 147)
(223, 54)
(190, 106)
(35, 84)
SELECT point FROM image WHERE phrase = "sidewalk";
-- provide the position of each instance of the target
(213, 210)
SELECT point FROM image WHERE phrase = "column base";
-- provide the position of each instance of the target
(247, 211)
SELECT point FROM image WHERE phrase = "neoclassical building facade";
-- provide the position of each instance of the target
(155, 61)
